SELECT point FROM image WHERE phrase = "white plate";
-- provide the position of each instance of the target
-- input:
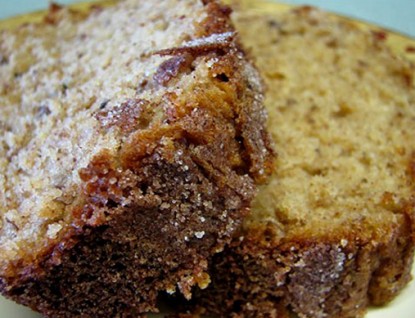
(402, 307)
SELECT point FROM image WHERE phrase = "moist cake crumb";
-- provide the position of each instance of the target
(333, 231)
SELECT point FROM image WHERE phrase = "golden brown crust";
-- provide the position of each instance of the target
(150, 214)
(218, 19)
(314, 277)
(123, 251)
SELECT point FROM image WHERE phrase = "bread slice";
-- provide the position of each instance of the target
(131, 140)
(333, 232)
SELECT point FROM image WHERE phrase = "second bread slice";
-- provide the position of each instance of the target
(333, 232)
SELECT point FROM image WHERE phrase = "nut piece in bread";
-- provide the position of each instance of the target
(132, 137)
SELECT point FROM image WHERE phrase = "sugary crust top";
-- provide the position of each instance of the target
(104, 107)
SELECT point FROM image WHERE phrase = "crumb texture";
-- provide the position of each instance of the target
(54, 78)
(132, 139)
(333, 230)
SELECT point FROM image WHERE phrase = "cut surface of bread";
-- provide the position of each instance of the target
(333, 232)
(131, 140)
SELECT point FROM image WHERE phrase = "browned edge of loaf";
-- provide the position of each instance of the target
(310, 276)
(115, 259)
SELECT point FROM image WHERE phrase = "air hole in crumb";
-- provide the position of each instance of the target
(277, 75)
(73, 258)
(119, 267)
(43, 111)
(343, 111)
(3, 60)
(332, 43)
(26, 194)
(55, 289)
(237, 306)
(111, 204)
(4, 127)
(223, 77)
(104, 104)
(312, 171)
(85, 278)
(142, 86)
(144, 188)
(274, 24)
(64, 88)
(268, 235)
